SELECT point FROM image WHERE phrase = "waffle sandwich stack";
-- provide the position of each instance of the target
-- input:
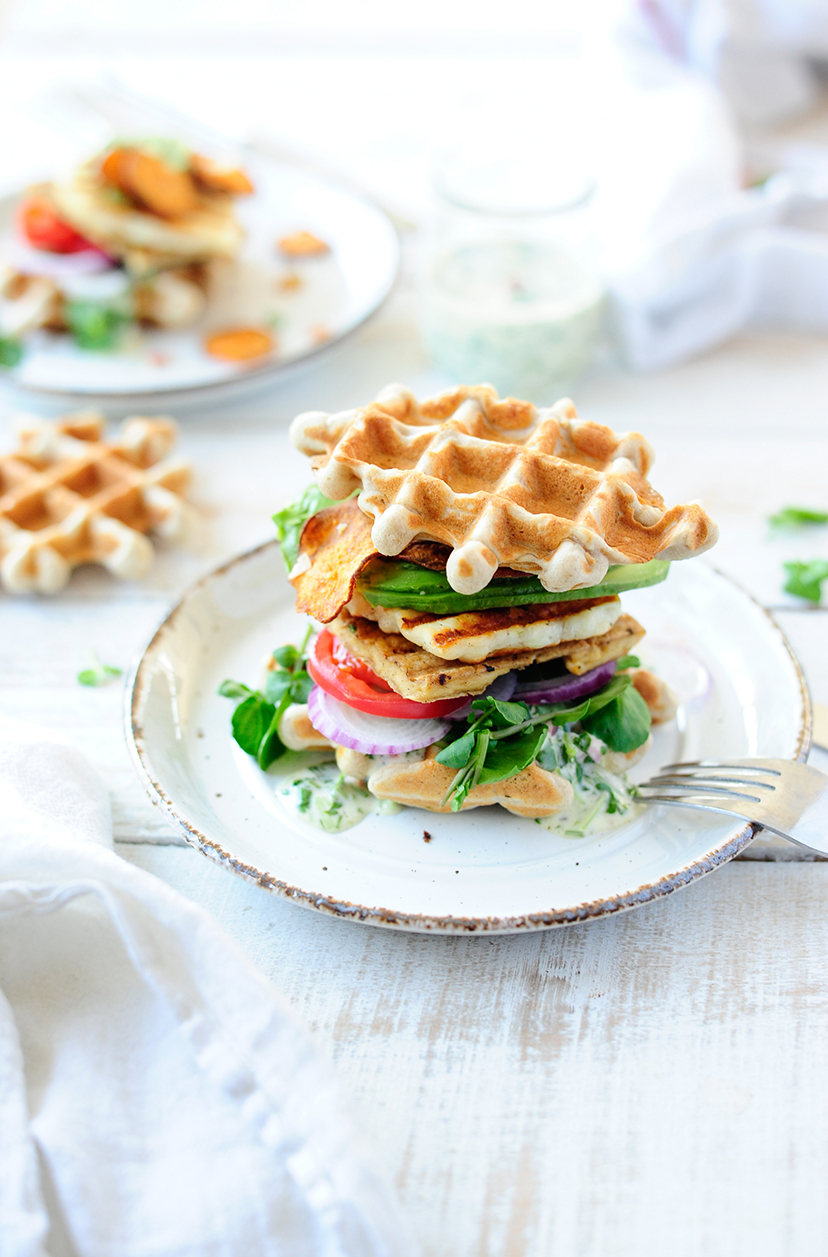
(467, 540)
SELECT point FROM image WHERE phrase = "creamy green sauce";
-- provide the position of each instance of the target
(322, 796)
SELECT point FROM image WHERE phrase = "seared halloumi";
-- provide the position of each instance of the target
(414, 673)
(474, 636)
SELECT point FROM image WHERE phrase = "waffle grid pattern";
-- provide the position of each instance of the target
(68, 497)
(503, 484)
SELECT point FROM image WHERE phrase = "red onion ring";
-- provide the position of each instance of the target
(565, 689)
(373, 735)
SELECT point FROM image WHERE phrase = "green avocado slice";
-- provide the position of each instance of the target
(395, 583)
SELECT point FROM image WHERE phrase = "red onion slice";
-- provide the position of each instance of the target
(565, 689)
(503, 688)
(373, 735)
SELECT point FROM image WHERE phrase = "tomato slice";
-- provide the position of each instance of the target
(45, 230)
(343, 676)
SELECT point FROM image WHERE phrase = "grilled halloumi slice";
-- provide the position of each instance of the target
(415, 673)
(474, 636)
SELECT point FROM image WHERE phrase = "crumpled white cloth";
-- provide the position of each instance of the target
(692, 255)
(156, 1097)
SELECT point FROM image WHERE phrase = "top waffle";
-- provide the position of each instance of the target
(502, 484)
(68, 497)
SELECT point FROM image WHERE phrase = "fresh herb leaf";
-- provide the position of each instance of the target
(797, 517)
(623, 724)
(629, 661)
(251, 721)
(805, 580)
(234, 689)
(290, 521)
(569, 713)
(457, 754)
(11, 351)
(511, 755)
(98, 673)
(256, 718)
(93, 325)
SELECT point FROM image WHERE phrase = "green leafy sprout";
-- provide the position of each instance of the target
(504, 738)
(797, 517)
(93, 324)
(11, 351)
(290, 521)
(256, 717)
(98, 673)
(805, 580)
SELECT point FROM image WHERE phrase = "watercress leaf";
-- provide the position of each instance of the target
(290, 521)
(276, 685)
(93, 325)
(300, 687)
(458, 753)
(796, 517)
(629, 661)
(508, 756)
(498, 713)
(805, 580)
(234, 689)
(100, 674)
(271, 745)
(623, 724)
(568, 713)
(11, 351)
(286, 657)
(251, 721)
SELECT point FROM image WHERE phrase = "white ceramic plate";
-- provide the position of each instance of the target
(339, 292)
(742, 694)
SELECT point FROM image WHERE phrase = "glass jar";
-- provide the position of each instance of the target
(511, 292)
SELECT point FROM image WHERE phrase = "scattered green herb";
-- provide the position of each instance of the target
(797, 517)
(623, 724)
(98, 673)
(503, 738)
(93, 325)
(256, 717)
(11, 351)
(290, 521)
(805, 580)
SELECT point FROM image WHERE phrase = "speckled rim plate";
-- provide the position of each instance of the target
(341, 292)
(485, 871)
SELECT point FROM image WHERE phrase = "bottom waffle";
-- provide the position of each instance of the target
(416, 674)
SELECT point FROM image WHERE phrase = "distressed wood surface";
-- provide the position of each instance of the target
(652, 1083)
(649, 1084)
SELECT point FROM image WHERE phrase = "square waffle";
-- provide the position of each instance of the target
(501, 483)
(69, 497)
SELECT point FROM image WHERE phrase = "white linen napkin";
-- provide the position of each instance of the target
(692, 255)
(156, 1097)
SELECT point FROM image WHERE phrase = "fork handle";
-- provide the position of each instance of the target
(811, 830)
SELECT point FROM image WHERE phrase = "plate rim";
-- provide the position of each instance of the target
(421, 922)
(251, 377)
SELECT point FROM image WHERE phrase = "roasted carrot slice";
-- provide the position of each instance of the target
(164, 191)
(303, 244)
(238, 344)
(218, 178)
(114, 168)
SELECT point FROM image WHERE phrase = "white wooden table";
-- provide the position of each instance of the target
(652, 1083)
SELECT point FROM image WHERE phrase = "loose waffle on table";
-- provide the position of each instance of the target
(502, 483)
(68, 497)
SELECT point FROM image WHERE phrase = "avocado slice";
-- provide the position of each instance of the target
(395, 583)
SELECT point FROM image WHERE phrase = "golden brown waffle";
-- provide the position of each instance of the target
(502, 484)
(423, 783)
(68, 497)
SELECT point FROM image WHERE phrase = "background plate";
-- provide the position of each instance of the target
(340, 291)
(742, 694)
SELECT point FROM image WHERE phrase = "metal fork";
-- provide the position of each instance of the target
(788, 798)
